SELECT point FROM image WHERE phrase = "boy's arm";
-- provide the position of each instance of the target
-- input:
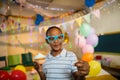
(39, 69)
(42, 75)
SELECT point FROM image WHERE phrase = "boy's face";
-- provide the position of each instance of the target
(55, 44)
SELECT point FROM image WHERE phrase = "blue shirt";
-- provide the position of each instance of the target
(60, 67)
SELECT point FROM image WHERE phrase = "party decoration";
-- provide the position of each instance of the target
(39, 19)
(84, 29)
(18, 75)
(71, 24)
(64, 26)
(88, 49)
(92, 40)
(89, 3)
(79, 21)
(95, 68)
(87, 57)
(20, 67)
(4, 75)
(87, 17)
(45, 28)
(96, 13)
(80, 41)
(40, 29)
(92, 30)
(66, 38)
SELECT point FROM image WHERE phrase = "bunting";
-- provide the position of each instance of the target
(79, 21)
(96, 13)
(87, 17)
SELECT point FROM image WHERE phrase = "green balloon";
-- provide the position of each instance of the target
(84, 29)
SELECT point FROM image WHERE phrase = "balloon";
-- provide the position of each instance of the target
(37, 22)
(84, 29)
(39, 19)
(20, 67)
(95, 68)
(4, 75)
(87, 57)
(66, 38)
(18, 75)
(92, 31)
(95, 44)
(88, 49)
(89, 3)
(92, 39)
(80, 41)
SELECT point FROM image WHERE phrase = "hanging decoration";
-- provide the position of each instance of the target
(66, 38)
(39, 19)
(79, 21)
(87, 17)
(89, 3)
(80, 41)
(96, 13)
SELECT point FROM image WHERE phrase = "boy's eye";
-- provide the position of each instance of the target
(60, 37)
(51, 38)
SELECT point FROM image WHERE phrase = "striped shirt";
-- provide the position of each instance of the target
(60, 67)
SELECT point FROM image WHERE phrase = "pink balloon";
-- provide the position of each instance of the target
(92, 39)
(88, 49)
(80, 41)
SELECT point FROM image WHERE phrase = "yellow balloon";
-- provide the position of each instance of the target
(95, 68)
(66, 38)
(20, 67)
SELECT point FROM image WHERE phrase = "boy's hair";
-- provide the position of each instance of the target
(52, 28)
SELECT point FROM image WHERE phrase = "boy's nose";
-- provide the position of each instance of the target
(56, 40)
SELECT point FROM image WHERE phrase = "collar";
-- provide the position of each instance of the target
(63, 54)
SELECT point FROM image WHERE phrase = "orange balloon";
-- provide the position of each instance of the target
(87, 57)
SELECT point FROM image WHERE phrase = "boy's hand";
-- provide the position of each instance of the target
(38, 67)
(83, 67)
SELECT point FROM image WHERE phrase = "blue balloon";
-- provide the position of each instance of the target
(89, 3)
(39, 19)
(37, 22)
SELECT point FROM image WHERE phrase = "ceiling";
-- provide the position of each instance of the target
(49, 8)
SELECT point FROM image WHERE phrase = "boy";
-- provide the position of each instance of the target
(60, 64)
